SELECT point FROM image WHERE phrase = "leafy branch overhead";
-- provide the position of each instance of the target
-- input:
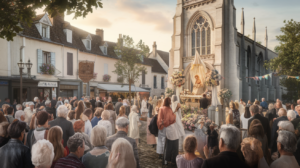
(288, 60)
(130, 64)
(14, 12)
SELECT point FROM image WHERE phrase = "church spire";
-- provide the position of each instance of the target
(266, 38)
(242, 22)
(254, 30)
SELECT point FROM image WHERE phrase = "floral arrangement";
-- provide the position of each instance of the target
(213, 79)
(190, 116)
(106, 78)
(178, 79)
(225, 93)
(48, 69)
(169, 92)
(120, 79)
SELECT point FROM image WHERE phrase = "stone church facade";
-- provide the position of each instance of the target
(209, 27)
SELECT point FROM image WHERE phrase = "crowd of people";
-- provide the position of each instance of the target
(94, 133)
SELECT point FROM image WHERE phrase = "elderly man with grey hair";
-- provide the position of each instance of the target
(228, 144)
(49, 109)
(282, 117)
(76, 147)
(122, 126)
(20, 114)
(66, 126)
(286, 145)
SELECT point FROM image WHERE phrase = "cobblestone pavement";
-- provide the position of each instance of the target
(147, 154)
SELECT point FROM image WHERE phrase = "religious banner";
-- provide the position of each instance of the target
(86, 71)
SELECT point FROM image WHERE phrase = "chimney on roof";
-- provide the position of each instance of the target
(120, 39)
(100, 32)
(154, 49)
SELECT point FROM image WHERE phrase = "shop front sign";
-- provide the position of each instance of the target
(47, 84)
(86, 71)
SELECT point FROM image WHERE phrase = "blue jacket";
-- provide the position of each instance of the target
(95, 121)
(264, 105)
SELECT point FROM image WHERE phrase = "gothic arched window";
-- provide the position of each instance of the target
(260, 65)
(201, 35)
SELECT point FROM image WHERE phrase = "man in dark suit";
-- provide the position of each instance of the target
(65, 125)
(122, 126)
(49, 108)
(204, 102)
(93, 101)
(296, 121)
(228, 144)
(53, 102)
(254, 110)
(282, 117)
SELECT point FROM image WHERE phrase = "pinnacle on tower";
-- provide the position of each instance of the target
(266, 38)
(242, 22)
(254, 30)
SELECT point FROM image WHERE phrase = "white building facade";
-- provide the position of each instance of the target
(209, 27)
(55, 43)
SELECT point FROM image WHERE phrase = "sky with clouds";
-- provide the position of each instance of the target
(151, 20)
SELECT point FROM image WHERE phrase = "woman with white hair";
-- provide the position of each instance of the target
(67, 104)
(29, 111)
(286, 125)
(286, 146)
(121, 155)
(134, 122)
(42, 154)
(291, 115)
(37, 103)
(98, 156)
(176, 108)
(105, 122)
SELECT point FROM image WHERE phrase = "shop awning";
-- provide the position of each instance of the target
(120, 88)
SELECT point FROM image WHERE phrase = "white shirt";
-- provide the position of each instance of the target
(285, 162)
(88, 128)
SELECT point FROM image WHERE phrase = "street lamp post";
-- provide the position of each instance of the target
(21, 67)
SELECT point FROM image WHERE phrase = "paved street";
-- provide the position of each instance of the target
(148, 155)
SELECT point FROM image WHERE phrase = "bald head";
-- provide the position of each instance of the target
(282, 112)
(298, 102)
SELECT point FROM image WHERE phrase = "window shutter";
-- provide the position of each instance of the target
(162, 82)
(69, 63)
(53, 58)
(39, 60)
(154, 81)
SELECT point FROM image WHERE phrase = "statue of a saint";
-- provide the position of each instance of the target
(198, 86)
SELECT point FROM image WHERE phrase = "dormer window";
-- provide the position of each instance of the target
(104, 48)
(87, 42)
(44, 32)
(43, 25)
(68, 31)
(118, 53)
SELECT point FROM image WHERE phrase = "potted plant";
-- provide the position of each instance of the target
(106, 78)
(47, 69)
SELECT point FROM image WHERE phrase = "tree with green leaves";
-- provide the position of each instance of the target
(129, 66)
(288, 60)
(14, 12)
